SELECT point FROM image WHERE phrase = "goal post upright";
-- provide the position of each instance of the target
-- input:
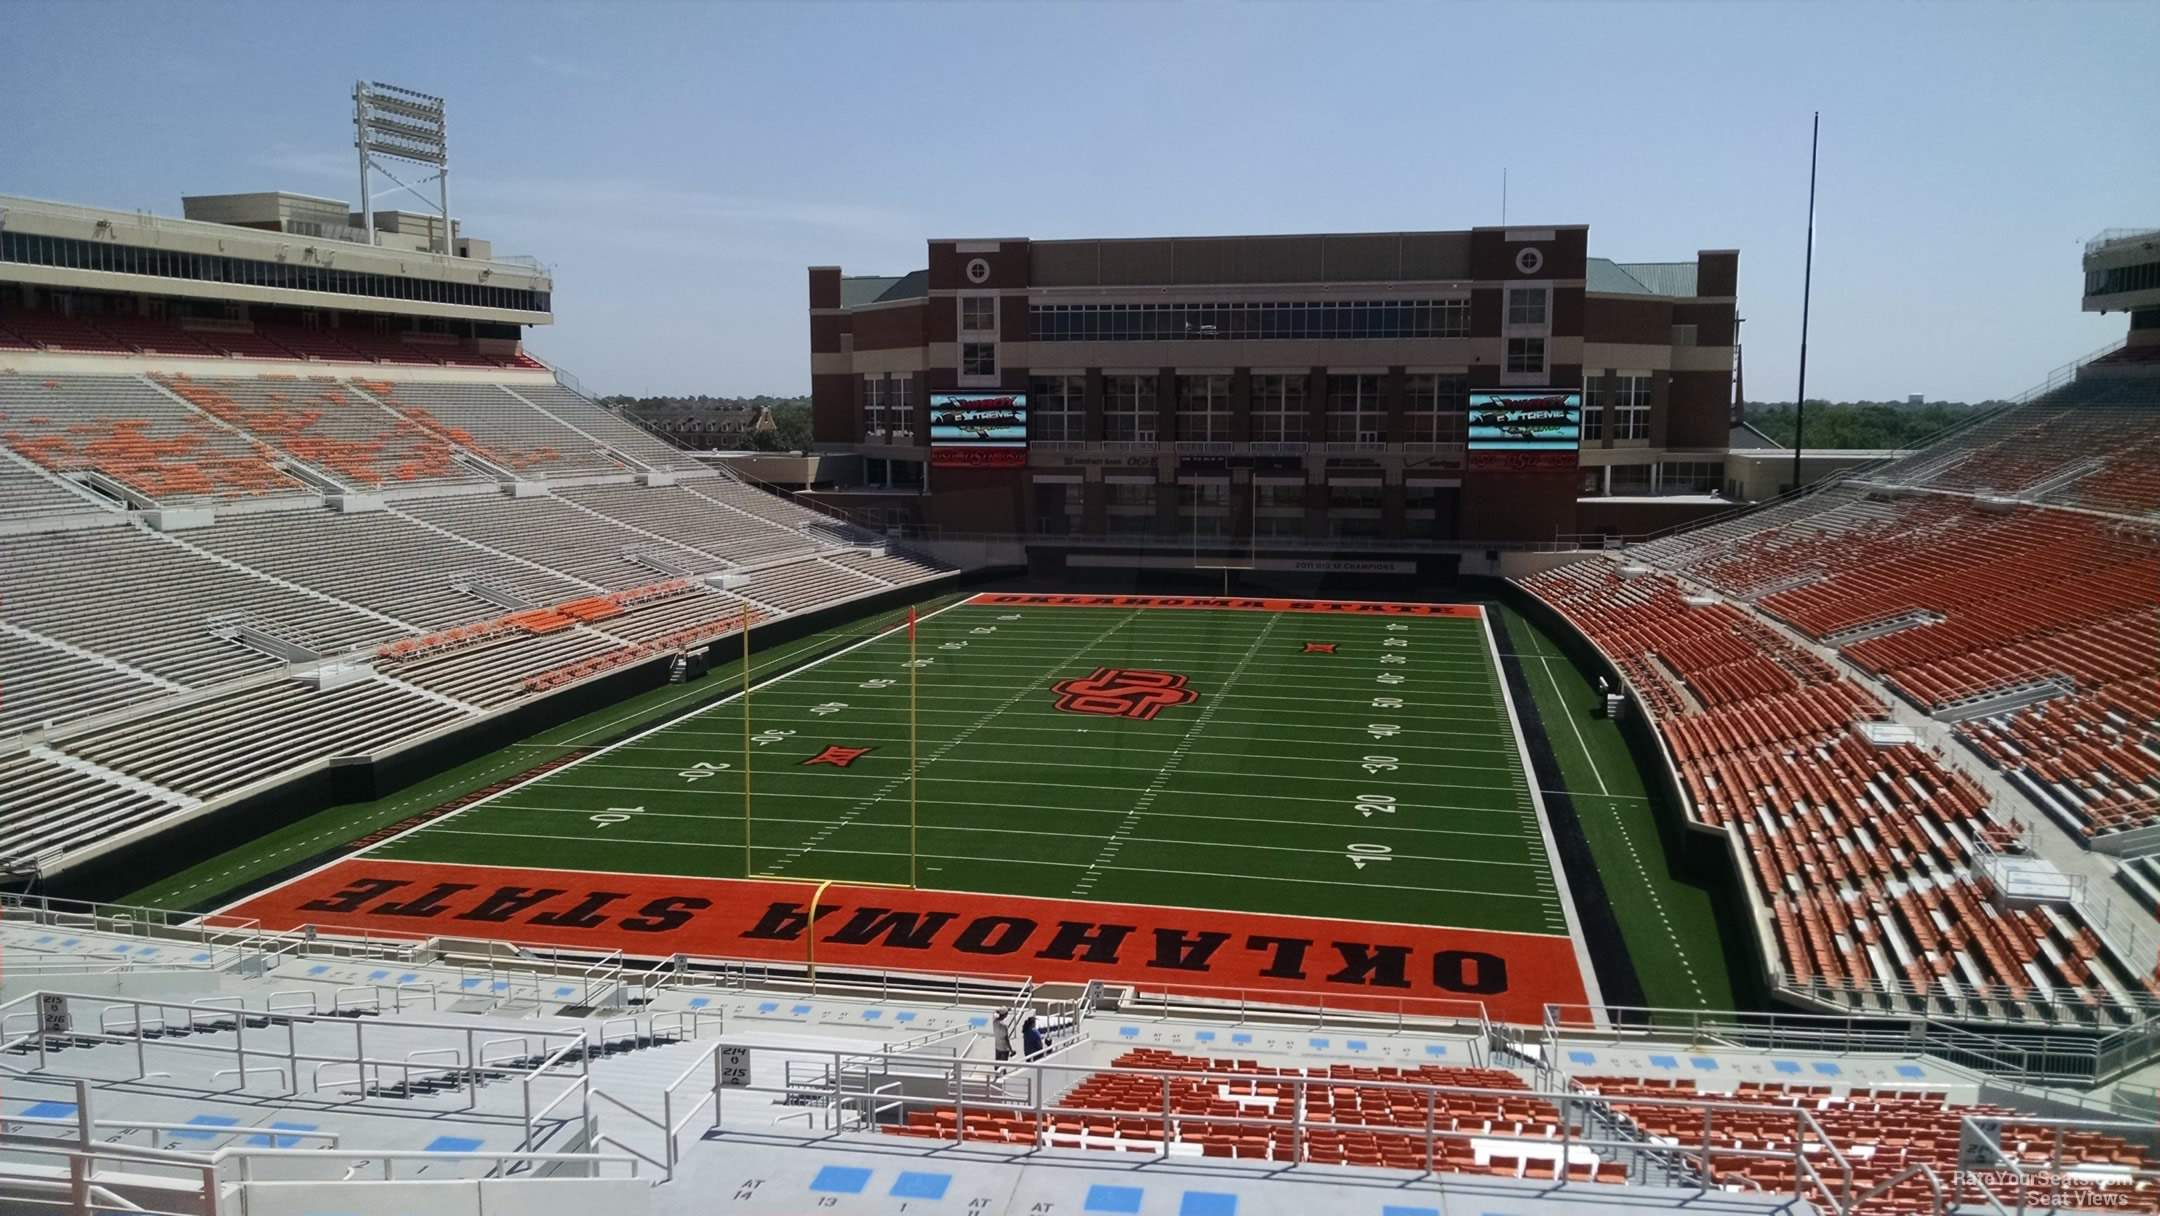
(749, 863)
(914, 766)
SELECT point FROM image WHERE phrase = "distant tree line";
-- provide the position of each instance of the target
(1862, 424)
(761, 423)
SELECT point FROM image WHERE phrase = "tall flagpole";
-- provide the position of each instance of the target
(748, 868)
(914, 776)
(1807, 288)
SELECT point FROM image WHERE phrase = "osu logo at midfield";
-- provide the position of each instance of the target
(1120, 692)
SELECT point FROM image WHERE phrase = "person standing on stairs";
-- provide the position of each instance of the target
(1001, 1035)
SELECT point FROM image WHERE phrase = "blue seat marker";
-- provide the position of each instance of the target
(841, 1180)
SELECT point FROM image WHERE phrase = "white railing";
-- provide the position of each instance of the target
(1259, 1006)
(2017, 1056)
(2117, 234)
(1577, 1131)
(2015, 1179)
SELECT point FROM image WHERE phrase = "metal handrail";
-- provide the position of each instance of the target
(1568, 1107)
(1261, 1004)
(2037, 1056)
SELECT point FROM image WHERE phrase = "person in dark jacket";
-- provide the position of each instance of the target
(1031, 1040)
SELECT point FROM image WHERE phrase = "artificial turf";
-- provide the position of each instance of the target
(1669, 924)
(1327, 764)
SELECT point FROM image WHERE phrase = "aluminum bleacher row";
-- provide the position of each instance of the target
(128, 334)
(1868, 859)
(2142, 876)
(367, 563)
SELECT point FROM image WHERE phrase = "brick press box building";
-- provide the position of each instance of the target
(1461, 389)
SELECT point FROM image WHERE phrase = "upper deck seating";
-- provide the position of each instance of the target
(56, 332)
(387, 348)
(491, 421)
(242, 344)
(315, 343)
(128, 429)
(624, 437)
(331, 428)
(151, 337)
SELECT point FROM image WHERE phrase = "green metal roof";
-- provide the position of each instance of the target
(1663, 278)
(1605, 275)
(864, 288)
(1640, 278)
(857, 290)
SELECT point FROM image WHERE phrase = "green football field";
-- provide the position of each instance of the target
(1327, 764)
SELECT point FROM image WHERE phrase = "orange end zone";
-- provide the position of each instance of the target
(1359, 607)
(1343, 963)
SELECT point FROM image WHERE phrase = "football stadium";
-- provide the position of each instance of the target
(1215, 725)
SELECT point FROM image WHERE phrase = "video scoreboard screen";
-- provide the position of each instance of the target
(1536, 421)
(978, 420)
(978, 429)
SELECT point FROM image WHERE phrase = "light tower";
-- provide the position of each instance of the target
(400, 124)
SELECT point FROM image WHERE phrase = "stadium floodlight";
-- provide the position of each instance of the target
(400, 124)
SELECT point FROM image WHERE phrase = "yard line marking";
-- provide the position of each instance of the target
(915, 770)
(1169, 768)
(1037, 861)
(1565, 712)
(1051, 715)
(1170, 841)
(1123, 749)
(729, 817)
(1040, 807)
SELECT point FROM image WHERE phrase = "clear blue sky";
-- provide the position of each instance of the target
(679, 164)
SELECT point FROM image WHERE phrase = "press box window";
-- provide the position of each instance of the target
(978, 359)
